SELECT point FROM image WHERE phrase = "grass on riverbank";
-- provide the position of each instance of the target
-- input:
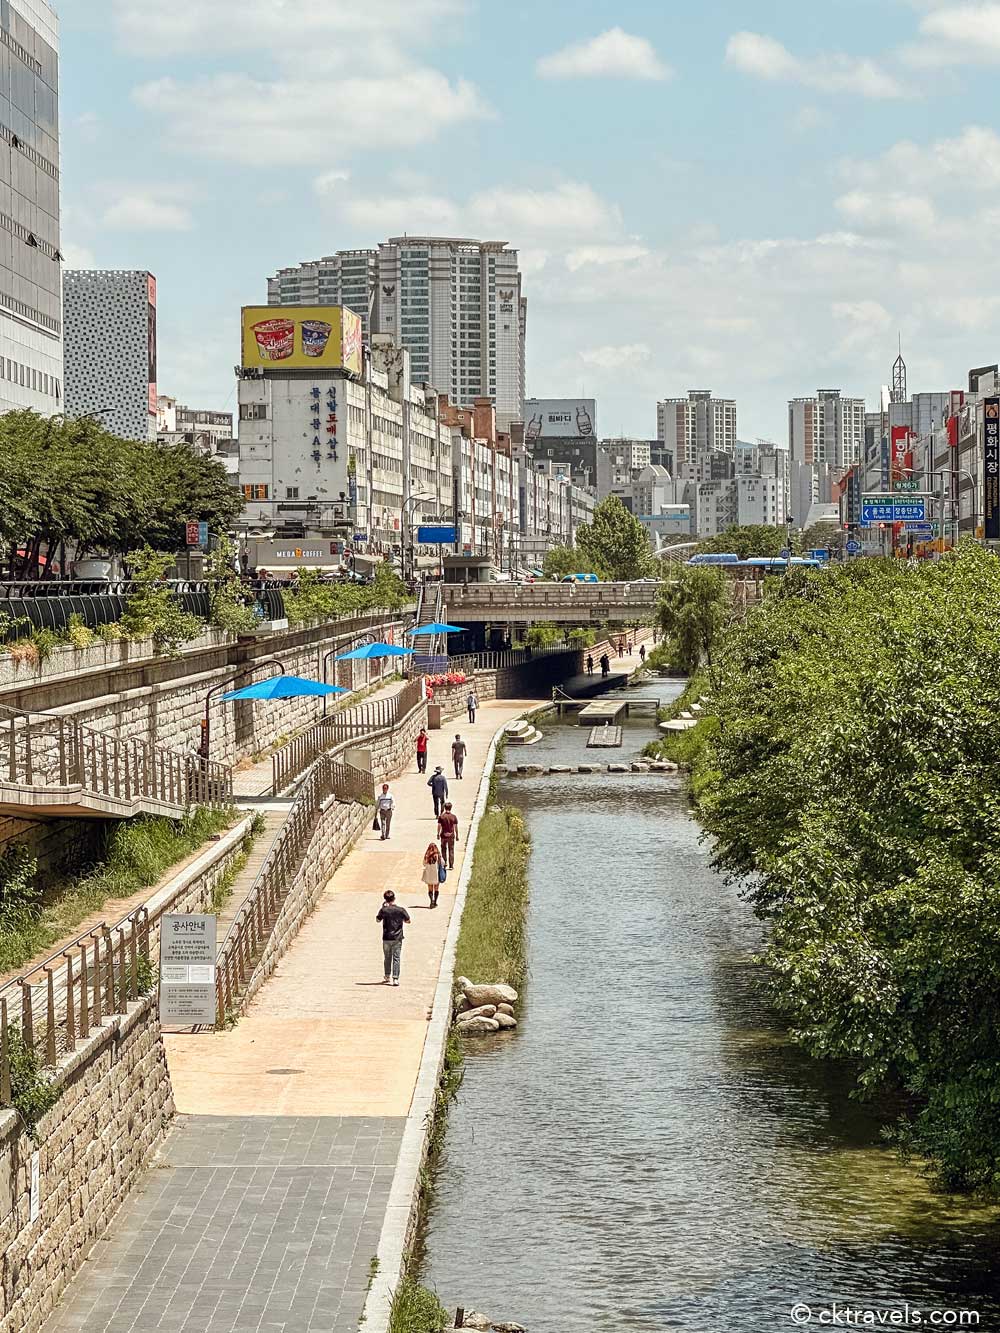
(686, 748)
(492, 944)
(137, 854)
(417, 1310)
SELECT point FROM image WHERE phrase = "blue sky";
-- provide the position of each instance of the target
(748, 197)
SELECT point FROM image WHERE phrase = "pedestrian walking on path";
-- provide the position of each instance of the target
(433, 866)
(392, 917)
(642, 652)
(472, 703)
(422, 740)
(458, 749)
(448, 833)
(385, 805)
(590, 664)
(605, 664)
(438, 784)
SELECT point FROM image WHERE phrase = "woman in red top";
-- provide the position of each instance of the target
(432, 874)
(422, 740)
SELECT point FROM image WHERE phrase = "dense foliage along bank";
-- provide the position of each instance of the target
(492, 944)
(852, 774)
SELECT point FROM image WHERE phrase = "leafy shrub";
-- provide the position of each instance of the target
(152, 611)
(32, 1093)
(78, 634)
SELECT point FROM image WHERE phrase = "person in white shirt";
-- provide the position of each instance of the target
(472, 703)
(385, 806)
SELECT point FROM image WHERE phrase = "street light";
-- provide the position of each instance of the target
(204, 747)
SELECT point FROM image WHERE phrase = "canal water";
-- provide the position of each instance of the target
(648, 1151)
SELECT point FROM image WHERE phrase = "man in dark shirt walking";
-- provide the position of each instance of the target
(438, 784)
(458, 750)
(392, 917)
(448, 833)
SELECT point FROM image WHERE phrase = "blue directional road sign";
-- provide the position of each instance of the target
(893, 509)
(853, 547)
(919, 529)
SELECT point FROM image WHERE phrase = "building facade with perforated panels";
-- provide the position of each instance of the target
(110, 349)
(31, 357)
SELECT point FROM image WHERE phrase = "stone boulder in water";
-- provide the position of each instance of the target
(497, 993)
(477, 1027)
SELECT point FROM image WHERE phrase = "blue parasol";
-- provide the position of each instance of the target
(374, 650)
(283, 687)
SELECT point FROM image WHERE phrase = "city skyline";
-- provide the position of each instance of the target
(667, 239)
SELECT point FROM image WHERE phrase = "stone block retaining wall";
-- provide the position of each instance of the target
(92, 1146)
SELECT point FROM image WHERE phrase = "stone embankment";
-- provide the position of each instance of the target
(480, 1010)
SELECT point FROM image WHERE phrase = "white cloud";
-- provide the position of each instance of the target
(330, 181)
(616, 358)
(292, 120)
(765, 57)
(566, 212)
(155, 208)
(887, 208)
(971, 158)
(77, 256)
(603, 254)
(612, 54)
(957, 34)
(295, 27)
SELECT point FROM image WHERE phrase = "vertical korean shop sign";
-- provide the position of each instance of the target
(187, 970)
(991, 468)
(151, 340)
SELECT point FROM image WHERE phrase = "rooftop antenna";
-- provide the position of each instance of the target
(899, 376)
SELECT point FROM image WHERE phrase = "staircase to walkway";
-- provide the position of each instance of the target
(54, 767)
(430, 651)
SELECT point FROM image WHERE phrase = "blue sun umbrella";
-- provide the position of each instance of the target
(438, 627)
(371, 650)
(283, 687)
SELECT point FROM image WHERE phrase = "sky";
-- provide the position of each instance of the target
(756, 197)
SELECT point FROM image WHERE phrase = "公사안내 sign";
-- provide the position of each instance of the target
(326, 337)
(559, 419)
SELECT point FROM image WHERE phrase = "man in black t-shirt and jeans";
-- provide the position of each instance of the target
(392, 917)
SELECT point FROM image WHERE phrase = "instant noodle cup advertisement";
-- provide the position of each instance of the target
(302, 337)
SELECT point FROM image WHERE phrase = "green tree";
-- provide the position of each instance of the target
(616, 545)
(851, 780)
(563, 560)
(752, 540)
(821, 536)
(152, 611)
(693, 613)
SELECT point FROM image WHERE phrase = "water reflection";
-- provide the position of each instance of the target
(648, 1152)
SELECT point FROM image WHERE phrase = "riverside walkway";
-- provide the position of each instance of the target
(264, 1210)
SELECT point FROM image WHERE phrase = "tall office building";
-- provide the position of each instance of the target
(347, 278)
(696, 424)
(826, 431)
(456, 306)
(111, 349)
(31, 353)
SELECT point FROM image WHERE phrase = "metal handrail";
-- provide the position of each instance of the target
(44, 750)
(293, 759)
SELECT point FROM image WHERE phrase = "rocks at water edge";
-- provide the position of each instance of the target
(483, 1009)
(473, 1319)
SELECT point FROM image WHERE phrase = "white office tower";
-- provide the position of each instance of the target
(346, 278)
(456, 306)
(826, 431)
(696, 424)
(31, 353)
(111, 349)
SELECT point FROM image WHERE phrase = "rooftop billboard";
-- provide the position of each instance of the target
(559, 419)
(302, 337)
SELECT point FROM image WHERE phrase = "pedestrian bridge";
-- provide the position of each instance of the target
(557, 603)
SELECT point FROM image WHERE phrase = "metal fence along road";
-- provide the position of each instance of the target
(48, 761)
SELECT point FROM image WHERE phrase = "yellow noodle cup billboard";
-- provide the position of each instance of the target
(302, 337)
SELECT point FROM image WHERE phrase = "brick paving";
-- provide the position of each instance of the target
(244, 1225)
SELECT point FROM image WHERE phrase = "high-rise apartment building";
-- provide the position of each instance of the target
(110, 349)
(456, 305)
(347, 278)
(31, 353)
(696, 424)
(826, 431)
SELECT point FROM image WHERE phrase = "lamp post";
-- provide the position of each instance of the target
(206, 732)
(408, 528)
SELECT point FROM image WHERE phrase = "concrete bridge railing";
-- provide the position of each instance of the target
(572, 603)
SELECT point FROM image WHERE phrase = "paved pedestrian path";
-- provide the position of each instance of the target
(265, 1209)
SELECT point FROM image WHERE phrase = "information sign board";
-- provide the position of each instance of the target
(187, 970)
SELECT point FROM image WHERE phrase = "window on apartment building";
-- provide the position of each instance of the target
(291, 492)
(253, 411)
(255, 491)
